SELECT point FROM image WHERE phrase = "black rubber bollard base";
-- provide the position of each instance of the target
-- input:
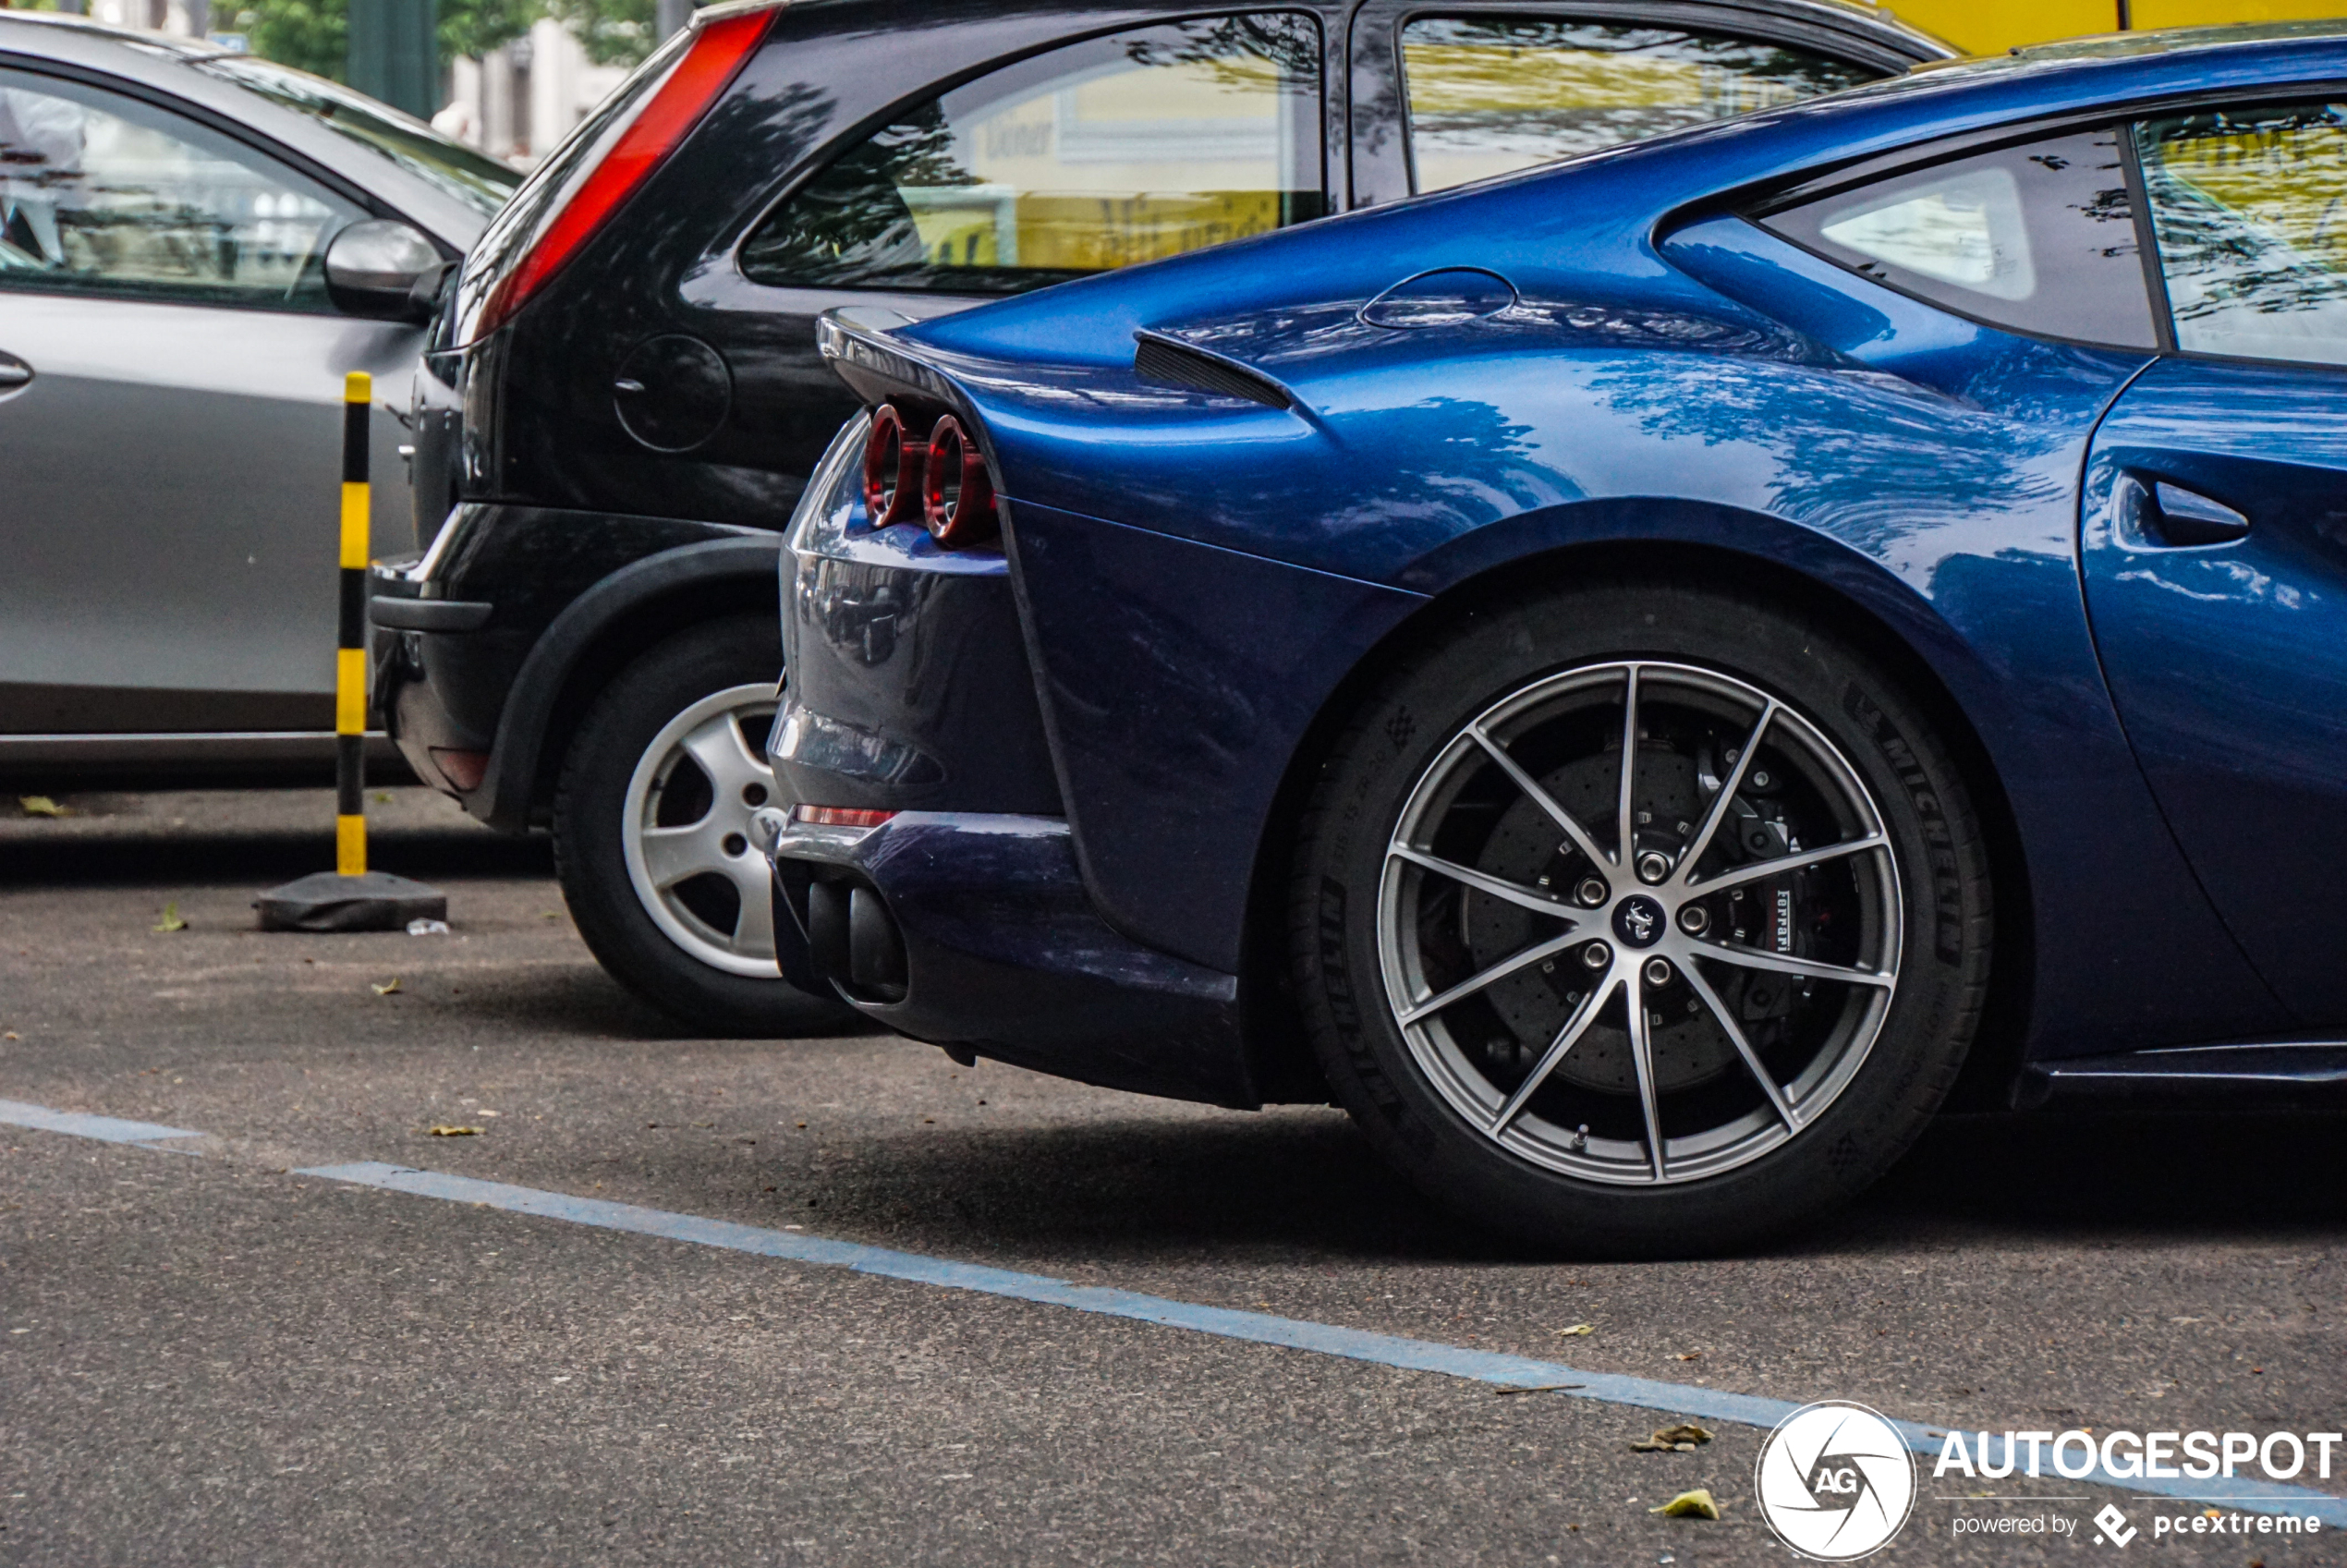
(326, 902)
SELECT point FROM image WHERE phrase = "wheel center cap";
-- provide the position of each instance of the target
(1638, 921)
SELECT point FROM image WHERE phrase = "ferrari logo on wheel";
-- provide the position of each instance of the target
(1835, 1481)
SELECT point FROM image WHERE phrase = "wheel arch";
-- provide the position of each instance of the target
(596, 636)
(1282, 1061)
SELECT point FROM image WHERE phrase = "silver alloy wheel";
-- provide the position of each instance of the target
(1565, 915)
(703, 760)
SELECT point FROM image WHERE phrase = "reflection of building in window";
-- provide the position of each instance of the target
(1966, 228)
(1129, 165)
(1489, 97)
(1097, 155)
(2288, 175)
(41, 146)
(2253, 244)
(104, 192)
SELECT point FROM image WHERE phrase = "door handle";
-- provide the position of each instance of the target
(14, 372)
(2183, 517)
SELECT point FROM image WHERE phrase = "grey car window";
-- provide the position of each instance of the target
(1489, 95)
(474, 179)
(2251, 212)
(2040, 237)
(102, 193)
(1092, 156)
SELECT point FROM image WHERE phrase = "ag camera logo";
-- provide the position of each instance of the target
(1835, 1481)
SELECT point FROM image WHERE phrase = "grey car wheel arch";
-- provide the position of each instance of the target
(545, 691)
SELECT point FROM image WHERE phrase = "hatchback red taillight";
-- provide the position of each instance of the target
(957, 496)
(720, 46)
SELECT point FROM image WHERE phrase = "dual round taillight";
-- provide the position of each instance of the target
(942, 482)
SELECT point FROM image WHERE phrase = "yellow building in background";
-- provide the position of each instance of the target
(1991, 26)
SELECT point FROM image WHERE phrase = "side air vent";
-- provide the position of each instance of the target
(1170, 364)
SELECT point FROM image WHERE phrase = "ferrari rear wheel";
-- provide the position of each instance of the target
(1642, 920)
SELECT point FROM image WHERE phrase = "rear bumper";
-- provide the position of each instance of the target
(479, 640)
(973, 929)
(429, 673)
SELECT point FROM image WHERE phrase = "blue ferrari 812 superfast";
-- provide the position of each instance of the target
(1640, 678)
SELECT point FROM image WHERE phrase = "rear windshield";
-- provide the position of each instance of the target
(474, 179)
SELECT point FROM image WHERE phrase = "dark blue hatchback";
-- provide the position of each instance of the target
(1637, 677)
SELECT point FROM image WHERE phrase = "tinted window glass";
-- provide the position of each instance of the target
(1097, 155)
(2251, 209)
(105, 194)
(2040, 237)
(1490, 96)
(478, 182)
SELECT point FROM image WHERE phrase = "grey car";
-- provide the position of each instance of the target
(194, 248)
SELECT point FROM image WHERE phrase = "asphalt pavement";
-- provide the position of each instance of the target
(210, 1357)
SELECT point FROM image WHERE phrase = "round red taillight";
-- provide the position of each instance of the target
(892, 470)
(957, 496)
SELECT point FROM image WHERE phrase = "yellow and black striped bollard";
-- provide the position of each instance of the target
(350, 898)
(350, 640)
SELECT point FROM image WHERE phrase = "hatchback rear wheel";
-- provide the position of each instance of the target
(652, 838)
(1642, 920)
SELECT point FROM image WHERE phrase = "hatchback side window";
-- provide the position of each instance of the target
(2040, 237)
(105, 194)
(1092, 156)
(1491, 95)
(2250, 207)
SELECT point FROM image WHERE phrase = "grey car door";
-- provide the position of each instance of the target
(171, 378)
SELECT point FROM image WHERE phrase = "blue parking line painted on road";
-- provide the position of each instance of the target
(1260, 1328)
(105, 1129)
(1326, 1339)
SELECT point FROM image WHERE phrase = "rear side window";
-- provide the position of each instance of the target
(481, 183)
(1097, 155)
(1489, 96)
(105, 194)
(2250, 206)
(2040, 237)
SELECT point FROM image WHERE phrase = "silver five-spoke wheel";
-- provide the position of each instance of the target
(1639, 922)
(686, 830)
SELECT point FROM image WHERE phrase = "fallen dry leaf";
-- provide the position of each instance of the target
(444, 1131)
(1577, 1329)
(171, 921)
(11, 1035)
(1682, 1439)
(41, 805)
(387, 988)
(1690, 1356)
(1697, 1505)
